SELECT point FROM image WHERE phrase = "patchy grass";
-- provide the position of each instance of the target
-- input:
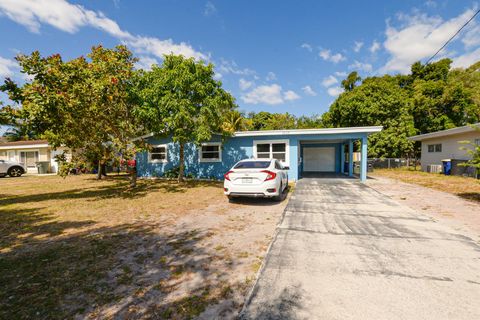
(78, 247)
(467, 188)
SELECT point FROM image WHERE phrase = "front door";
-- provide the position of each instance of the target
(319, 159)
(29, 159)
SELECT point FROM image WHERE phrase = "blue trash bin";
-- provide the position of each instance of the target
(447, 167)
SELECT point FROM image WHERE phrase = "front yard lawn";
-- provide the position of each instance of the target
(464, 187)
(77, 247)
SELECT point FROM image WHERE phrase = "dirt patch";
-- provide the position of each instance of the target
(464, 187)
(458, 212)
(80, 248)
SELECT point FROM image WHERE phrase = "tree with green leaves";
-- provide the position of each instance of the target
(351, 81)
(182, 99)
(83, 104)
(378, 101)
(235, 121)
(432, 97)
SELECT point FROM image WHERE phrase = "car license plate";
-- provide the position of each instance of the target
(247, 180)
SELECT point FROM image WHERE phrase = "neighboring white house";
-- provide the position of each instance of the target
(29, 152)
(446, 144)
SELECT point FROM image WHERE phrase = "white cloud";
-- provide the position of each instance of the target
(8, 67)
(269, 94)
(271, 76)
(71, 17)
(290, 95)
(307, 47)
(374, 47)
(419, 37)
(360, 66)
(329, 81)
(358, 45)
(231, 67)
(334, 91)
(467, 59)
(328, 56)
(472, 36)
(309, 91)
(210, 9)
(430, 4)
(244, 84)
(340, 73)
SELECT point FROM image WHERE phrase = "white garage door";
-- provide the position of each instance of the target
(319, 159)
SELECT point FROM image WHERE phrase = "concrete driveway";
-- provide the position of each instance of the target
(345, 251)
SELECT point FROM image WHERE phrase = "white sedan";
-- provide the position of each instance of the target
(256, 178)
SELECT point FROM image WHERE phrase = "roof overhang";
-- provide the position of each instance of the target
(324, 131)
(445, 133)
(291, 132)
(26, 146)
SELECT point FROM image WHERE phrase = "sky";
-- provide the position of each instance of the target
(276, 56)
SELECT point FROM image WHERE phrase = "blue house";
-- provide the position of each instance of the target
(304, 151)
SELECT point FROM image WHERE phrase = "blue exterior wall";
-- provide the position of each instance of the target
(235, 149)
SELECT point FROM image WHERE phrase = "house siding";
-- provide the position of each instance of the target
(450, 148)
(235, 149)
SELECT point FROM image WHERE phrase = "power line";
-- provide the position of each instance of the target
(456, 33)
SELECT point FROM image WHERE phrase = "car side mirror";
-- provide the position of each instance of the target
(286, 168)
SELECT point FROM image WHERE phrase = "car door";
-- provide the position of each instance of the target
(282, 172)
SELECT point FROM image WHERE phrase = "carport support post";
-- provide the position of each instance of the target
(342, 158)
(363, 162)
(350, 158)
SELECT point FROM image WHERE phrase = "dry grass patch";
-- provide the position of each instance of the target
(467, 188)
(96, 249)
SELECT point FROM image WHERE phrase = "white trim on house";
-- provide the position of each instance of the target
(308, 131)
(371, 129)
(444, 133)
(285, 163)
(9, 147)
(150, 160)
(200, 152)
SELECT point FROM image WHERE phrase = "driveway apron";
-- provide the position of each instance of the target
(345, 251)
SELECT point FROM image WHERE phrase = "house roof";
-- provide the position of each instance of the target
(290, 132)
(445, 133)
(24, 144)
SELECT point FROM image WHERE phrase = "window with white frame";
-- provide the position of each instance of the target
(275, 149)
(158, 153)
(210, 152)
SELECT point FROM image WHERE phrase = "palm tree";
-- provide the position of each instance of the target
(18, 133)
(234, 121)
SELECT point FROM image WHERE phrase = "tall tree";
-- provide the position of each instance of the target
(182, 99)
(379, 101)
(83, 104)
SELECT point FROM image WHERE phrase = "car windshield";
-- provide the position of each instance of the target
(252, 165)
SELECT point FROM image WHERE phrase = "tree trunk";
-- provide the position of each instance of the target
(99, 170)
(133, 178)
(182, 164)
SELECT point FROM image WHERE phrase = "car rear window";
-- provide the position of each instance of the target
(253, 165)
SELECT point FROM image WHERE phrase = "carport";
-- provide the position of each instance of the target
(328, 152)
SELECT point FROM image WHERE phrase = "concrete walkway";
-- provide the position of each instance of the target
(345, 251)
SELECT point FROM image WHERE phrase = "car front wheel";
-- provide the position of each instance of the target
(15, 172)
